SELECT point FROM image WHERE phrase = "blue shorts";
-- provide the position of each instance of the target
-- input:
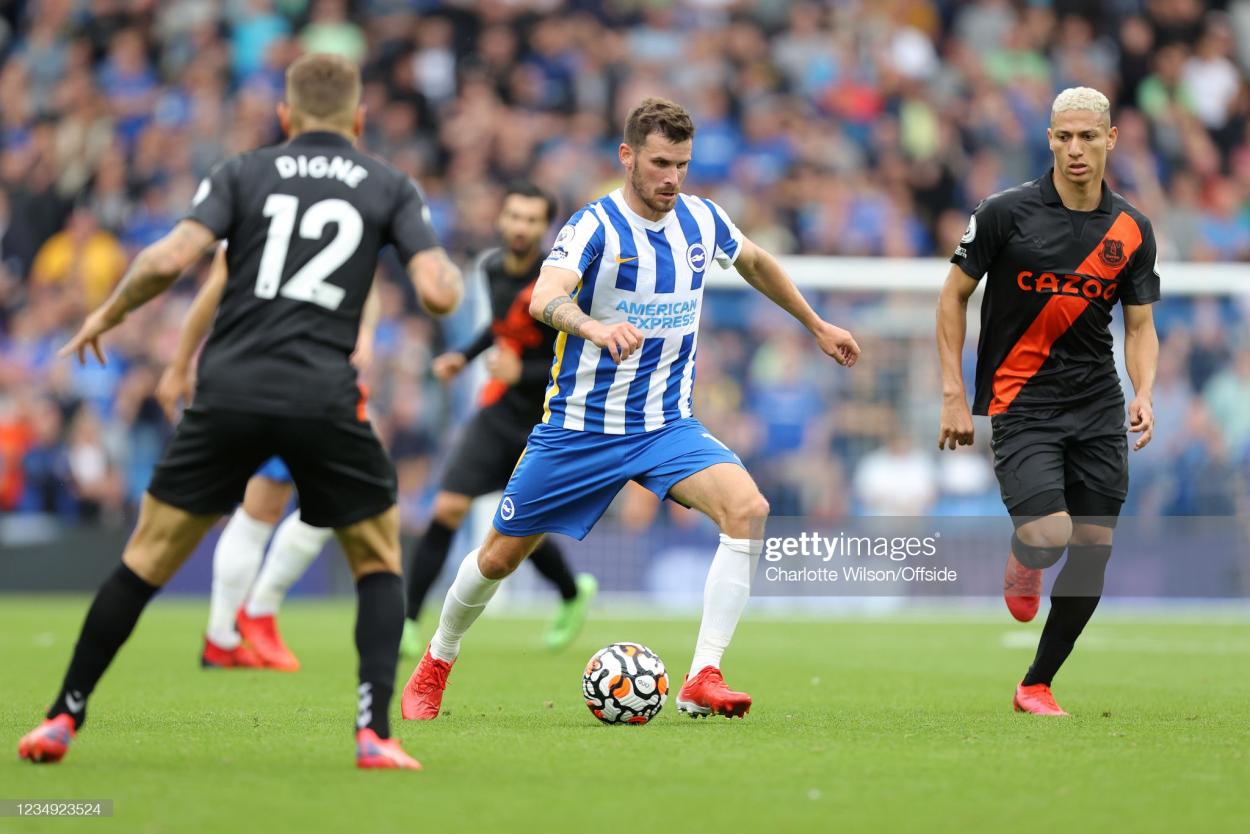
(566, 479)
(275, 470)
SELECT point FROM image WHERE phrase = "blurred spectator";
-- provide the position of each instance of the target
(84, 256)
(1210, 70)
(329, 30)
(1226, 397)
(896, 479)
(1224, 227)
(46, 473)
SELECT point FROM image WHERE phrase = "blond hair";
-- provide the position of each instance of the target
(1081, 98)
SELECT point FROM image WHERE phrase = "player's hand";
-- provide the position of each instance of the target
(504, 365)
(956, 429)
(1141, 420)
(447, 365)
(838, 343)
(97, 324)
(175, 386)
(362, 356)
(621, 340)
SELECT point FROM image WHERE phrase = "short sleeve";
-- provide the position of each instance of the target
(213, 204)
(579, 243)
(988, 229)
(411, 228)
(1140, 283)
(728, 237)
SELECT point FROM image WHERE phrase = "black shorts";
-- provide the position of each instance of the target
(487, 452)
(1073, 459)
(339, 467)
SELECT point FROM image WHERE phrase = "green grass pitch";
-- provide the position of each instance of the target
(892, 724)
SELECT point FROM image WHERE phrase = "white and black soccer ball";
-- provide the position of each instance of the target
(626, 683)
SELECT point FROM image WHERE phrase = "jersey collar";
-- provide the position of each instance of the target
(1050, 195)
(320, 138)
(618, 197)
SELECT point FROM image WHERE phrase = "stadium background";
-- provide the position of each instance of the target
(825, 129)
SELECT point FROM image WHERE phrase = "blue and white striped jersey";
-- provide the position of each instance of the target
(649, 273)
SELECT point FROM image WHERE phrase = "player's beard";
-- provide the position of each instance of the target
(636, 182)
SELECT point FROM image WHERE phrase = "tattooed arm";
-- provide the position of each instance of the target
(149, 275)
(552, 304)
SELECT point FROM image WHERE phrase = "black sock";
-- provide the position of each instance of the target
(110, 619)
(1078, 587)
(379, 625)
(549, 561)
(428, 558)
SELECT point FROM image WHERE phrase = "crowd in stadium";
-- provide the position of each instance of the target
(824, 128)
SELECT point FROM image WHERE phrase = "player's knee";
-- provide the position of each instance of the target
(745, 520)
(500, 555)
(450, 508)
(757, 508)
(152, 556)
(1035, 556)
(1048, 531)
(372, 545)
(495, 564)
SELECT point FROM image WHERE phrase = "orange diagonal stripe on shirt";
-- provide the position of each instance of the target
(1029, 353)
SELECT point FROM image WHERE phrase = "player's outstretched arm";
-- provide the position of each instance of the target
(437, 281)
(1141, 356)
(761, 271)
(952, 327)
(178, 380)
(552, 303)
(149, 275)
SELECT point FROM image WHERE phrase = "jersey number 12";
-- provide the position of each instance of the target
(309, 281)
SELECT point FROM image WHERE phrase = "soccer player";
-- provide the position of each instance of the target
(304, 221)
(242, 628)
(1060, 252)
(512, 402)
(623, 285)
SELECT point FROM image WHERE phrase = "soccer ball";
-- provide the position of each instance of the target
(625, 684)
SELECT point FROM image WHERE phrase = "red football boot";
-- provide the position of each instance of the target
(49, 742)
(261, 633)
(1036, 700)
(706, 694)
(373, 753)
(240, 657)
(423, 694)
(1022, 589)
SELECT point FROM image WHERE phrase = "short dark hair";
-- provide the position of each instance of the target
(521, 188)
(323, 86)
(658, 115)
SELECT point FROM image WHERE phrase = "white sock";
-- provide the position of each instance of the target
(724, 596)
(466, 600)
(235, 562)
(294, 548)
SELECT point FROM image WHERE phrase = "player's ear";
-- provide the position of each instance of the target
(626, 154)
(284, 117)
(358, 123)
(1111, 137)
